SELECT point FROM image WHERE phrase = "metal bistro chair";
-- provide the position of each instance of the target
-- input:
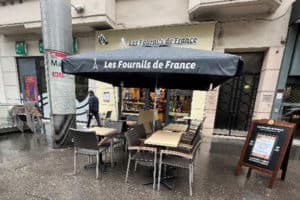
(115, 139)
(157, 125)
(146, 156)
(179, 159)
(107, 117)
(86, 143)
(188, 137)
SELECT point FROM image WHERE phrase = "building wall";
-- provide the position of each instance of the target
(9, 83)
(250, 33)
(145, 13)
(266, 34)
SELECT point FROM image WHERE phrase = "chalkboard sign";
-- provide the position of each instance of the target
(267, 148)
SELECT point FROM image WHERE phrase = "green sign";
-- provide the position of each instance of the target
(21, 48)
(74, 45)
(41, 46)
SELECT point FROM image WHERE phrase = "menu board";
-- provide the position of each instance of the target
(267, 148)
(265, 145)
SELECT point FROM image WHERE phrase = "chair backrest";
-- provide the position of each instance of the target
(132, 138)
(114, 124)
(140, 130)
(158, 125)
(145, 117)
(195, 148)
(108, 114)
(84, 139)
(197, 136)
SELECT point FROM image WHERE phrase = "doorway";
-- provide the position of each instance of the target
(32, 80)
(237, 98)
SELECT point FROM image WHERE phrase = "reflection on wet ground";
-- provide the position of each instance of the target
(31, 169)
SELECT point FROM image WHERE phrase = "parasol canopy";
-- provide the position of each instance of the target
(143, 67)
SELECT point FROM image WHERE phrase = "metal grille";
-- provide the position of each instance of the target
(237, 98)
(236, 105)
(292, 93)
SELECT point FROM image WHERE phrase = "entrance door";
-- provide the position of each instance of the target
(32, 81)
(237, 98)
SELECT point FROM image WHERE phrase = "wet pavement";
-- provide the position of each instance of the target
(31, 169)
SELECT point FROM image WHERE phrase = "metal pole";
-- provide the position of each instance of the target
(57, 39)
(154, 106)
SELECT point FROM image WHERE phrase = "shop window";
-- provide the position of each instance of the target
(133, 99)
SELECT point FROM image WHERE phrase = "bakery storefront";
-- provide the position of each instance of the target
(171, 104)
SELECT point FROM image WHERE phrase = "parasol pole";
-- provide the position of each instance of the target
(154, 106)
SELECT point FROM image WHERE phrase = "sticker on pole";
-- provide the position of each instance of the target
(62, 86)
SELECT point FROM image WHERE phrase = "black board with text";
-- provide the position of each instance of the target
(267, 148)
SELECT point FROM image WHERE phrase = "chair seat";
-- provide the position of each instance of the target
(176, 161)
(89, 151)
(143, 156)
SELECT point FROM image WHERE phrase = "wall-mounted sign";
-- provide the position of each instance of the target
(106, 97)
(102, 40)
(267, 148)
(75, 45)
(21, 48)
(41, 46)
(164, 41)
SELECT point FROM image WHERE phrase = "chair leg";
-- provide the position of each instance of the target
(111, 154)
(75, 154)
(190, 180)
(135, 165)
(128, 167)
(97, 165)
(89, 160)
(159, 173)
(192, 166)
(154, 171)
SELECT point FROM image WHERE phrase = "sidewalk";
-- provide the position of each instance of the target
(31, 169)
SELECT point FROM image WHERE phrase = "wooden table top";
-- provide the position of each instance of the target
(176, 127)
(164, 138)
(103, 131)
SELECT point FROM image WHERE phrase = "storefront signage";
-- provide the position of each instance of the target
(61, 85)
(41, 46)
(21, 48)
(267, 147)
(146, 64)
(164, 41)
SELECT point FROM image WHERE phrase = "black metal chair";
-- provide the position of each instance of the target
(86, 143)
(179, 159)
(146, 156)
(140, 130)
(115, 139)
(188, 137)
(107, 117)
(157, 125)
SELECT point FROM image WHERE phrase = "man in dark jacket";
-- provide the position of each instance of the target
(93, 108)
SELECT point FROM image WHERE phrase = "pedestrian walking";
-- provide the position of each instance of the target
(93, 108)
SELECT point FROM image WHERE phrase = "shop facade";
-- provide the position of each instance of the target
(170, 104)
(287, 102)
(25, 78)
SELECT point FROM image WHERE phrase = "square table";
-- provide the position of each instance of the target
(164, 138)
(176, 127)
(168, 139)
(103, 131)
